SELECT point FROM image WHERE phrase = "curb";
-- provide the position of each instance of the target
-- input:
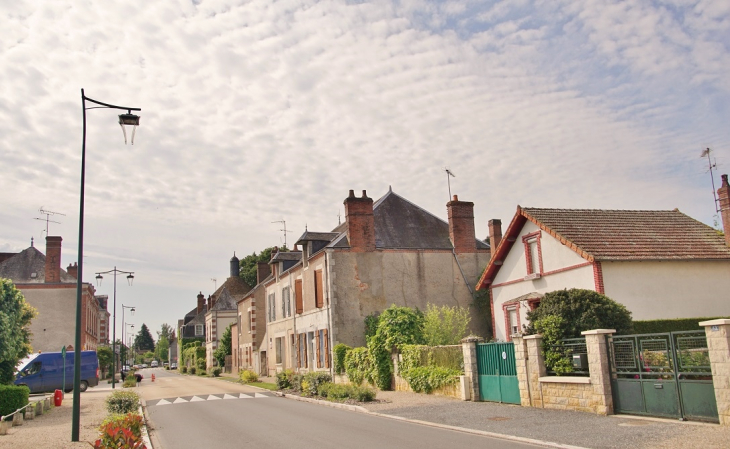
(145, 433)
(501, 436)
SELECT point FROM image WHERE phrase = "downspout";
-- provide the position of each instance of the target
(294, 321)
(330, 334)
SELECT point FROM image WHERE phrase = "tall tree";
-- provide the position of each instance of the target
(143, 341)
(104, 353)
(225, 347)
(15, 318)
(165, 331)
(249, 264)
(162, 349)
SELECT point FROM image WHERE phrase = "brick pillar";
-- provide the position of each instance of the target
(360, 222)
(718, 344)
(73, 270)
(535, 368)
(521, 364)
(461, 225)
(471, 372)
(53, 259)
(599, 368)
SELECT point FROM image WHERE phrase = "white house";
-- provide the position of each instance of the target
(659, 264)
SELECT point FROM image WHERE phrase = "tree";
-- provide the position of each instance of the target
(162, 349)
(104, 353)
(445, 325)
(165, 331)
(225, 347)
(581, 310)
(249, 264)
(143, 341)
(15, 318)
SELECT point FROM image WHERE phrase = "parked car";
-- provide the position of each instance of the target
(165, 364)
(154, 364)
(45, 372)
(144, 365)
(135, 367)
(173, 365)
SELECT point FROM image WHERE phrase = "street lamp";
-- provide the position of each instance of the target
(125, 341)
(127, 119)
(130, 278)
(124, 329)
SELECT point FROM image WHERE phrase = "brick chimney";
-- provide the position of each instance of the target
(495, 234)
(53, 259)
(263, 270)
(461, 225)
(360, 222)
(73, 270)
(723, 194)
(201, 302)
(210, 302)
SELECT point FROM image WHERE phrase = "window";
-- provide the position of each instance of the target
(298, 296)
(250, 320)
(533, 253)
(198, 329)
(272, 307)
(511, 319)
(285, 303)
(318, 296)
(279, 349)
(321, 349)
(302, 351)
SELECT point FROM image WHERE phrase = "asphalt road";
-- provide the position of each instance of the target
(188, 412)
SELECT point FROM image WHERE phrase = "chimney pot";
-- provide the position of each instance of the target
(456, 197)
(723, 194)
(360, 222)
(352, 194)
(495, 235)
(364, 194)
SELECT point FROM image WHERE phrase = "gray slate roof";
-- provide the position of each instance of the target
(21, 268)
(225, 301)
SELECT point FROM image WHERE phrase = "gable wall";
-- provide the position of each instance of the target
(669, 289)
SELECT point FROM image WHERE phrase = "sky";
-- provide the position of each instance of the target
(259, 111)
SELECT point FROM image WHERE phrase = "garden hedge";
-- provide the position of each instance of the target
(12, 398)
(675, 325)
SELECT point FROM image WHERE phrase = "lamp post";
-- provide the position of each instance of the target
(124, 329)
(125, 341)
(127, 119)
(130, 279)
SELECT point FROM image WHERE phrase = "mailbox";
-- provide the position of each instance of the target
(580, 361)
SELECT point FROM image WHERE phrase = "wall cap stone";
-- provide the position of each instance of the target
(719, 322)
(471, 339)
(565, 379)
(532, 337)
(599, 332)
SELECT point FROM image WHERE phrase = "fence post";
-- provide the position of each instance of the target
(471, 371)
(522, 370)
(535, 368)
(718, 345)
(599, 368)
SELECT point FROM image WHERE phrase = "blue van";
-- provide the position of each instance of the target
(44, 372)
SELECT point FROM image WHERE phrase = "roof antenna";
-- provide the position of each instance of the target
(712, 166)
(283, 230)
(215, 283)
(48, 214)
(339, 218)
(449, 175)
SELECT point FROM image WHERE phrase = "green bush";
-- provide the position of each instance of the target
(425, 379)
(12, 398)
(358, 365)
(550, 327)
(342, 392)
(247, 376)
(201, 372)
(216, 372)
(445, 325)
(296, 381)
(200, 363)
(363, 393)
(132, 421)
(283, 379)
(184, 370)
(192, 370)
(122, 402)
(312, 381)
(581, 310)
(675, 325)
(413, 356)
(130, 380)
(340, 351)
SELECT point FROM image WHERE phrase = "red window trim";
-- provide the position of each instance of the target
(537, 235)
(506, 308)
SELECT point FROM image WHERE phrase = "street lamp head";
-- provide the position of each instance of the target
(131, 120)
(132, 310)
(130, 279)
(99, 277)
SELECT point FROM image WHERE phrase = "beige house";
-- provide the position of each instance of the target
(52, 291)
(222, 310)
(251, 333)
(659, 264)
(386, 252)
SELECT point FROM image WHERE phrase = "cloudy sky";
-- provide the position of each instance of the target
(256, 111)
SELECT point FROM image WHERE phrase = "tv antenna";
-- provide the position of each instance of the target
(48, 214)
(215, 284)
(283, 230)
(712, 166)
(449, 175)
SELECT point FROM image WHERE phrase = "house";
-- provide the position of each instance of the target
(192, 326)
(388, 251)
(660, 264)
(52, 291)
(104, 315)
(250, 337)
(222, 309)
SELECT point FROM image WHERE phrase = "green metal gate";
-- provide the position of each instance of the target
(666, 375)
(497, 373)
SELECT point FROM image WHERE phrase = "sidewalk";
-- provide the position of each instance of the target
(553, 426)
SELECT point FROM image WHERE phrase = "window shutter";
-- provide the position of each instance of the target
(298, 349)
(326, 349)
(298, 293)
(316, 342)
(318, 296)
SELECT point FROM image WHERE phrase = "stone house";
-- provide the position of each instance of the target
(388, 251)
(250, 336)
(52, 291)
(659, 264)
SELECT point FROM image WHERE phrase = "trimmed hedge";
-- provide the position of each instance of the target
(675, 325)
(12, 398)
(122, 402)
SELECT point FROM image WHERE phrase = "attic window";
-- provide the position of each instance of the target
(533, 254)
(198, 329)
(33, 275)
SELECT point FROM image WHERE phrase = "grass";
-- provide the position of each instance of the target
(264, 385)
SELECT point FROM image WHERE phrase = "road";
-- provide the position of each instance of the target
(189, 412)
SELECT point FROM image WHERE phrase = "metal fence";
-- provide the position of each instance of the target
(567, 358)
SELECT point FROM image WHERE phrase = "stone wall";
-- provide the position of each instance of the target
(718, 344)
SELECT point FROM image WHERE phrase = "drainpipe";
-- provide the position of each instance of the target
(330, 334)
(463, 276)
